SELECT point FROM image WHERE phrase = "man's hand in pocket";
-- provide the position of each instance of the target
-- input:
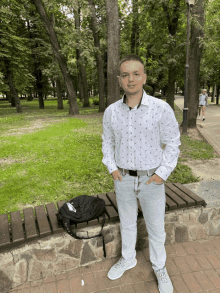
(116, 175)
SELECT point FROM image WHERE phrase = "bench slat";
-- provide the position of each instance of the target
(30, 224)
(112, 215)
(198, 200)
(112, 198)
(170, 203)
(51, 212)
(190, 202)
(60, 203)
(4, 231)
(43, 224)
(176, 198)
(17, 227)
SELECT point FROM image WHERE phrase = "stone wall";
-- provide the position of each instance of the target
(58, 253)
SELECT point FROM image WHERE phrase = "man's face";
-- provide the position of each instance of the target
(203, 92)
(132, 77)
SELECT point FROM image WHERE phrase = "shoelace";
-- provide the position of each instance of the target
(162, 276)
(119, 263)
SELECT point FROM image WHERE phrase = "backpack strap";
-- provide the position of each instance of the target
(66, 224)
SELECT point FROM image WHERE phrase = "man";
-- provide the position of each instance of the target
(134, 131)
(203, 100)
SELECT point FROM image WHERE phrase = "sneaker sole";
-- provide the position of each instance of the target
(131, 267)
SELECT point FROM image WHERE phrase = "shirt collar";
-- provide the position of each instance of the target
(144, 99)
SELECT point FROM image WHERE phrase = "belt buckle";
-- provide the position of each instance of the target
(132, 172)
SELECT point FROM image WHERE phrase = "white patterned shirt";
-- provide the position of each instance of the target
(133, 139)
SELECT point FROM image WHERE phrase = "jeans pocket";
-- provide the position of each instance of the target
(158, 183)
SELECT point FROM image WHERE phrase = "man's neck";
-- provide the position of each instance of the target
(133, 100)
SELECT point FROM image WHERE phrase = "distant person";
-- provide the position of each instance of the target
(134, 131)
(203, 101)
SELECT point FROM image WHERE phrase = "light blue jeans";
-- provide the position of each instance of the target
(153, 201)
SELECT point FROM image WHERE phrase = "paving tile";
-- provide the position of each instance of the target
(73, 272)
(37, 289)
(198, 247)
(114, 290)
(170, 251)
(193, 264)
(63, 286)
(203, 261)
(140, 287)
(203, 280)
(50, 287)
(209, 246)
(24, 286)
(218, 271)
(107, 263)
(171, 267)
(216, 243)
(179, 250)
(214, 277)
(148, 271)
(96, 267)
(191, 282)
(62, 276)
(76, 285)
(103, 291)
(90, 283)
(179, 285)
(134, 275)
(140, 256)
(181, 264)
(218, 254)
(50, 279)
(152, 286)
(189, 248)
(102, 281)
(25, 290)
(213, 259)
(85, 269)
(127, 289)
(214, 291)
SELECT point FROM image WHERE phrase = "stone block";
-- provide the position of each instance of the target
(36, 270)
(181, 234)
(87, 254)
(6, 258)
(142, 243)
(54, 268)
(169, 229)
(171, 218)
(214, 228)
(214, 215)
(70, 263)
(20, 275)
(197, 232)
(189, 218)
(45, 254)
(73, 249)
(203, 218)
(5, 282)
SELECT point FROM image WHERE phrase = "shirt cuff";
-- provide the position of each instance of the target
(163, 172)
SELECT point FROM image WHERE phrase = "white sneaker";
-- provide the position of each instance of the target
(118, 269)
(164, 282)
(199, 117)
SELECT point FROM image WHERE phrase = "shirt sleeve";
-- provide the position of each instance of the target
(108, 142)
(169, 135)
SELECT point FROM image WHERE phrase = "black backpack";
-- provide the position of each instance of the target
(82, 209)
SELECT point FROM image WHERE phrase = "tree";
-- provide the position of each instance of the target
(195, 54)
(113, 92)
(73, 108)
(98, 57)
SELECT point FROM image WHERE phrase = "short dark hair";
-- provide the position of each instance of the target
(131, 57)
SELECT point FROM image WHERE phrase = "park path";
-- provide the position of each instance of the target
(210, 128)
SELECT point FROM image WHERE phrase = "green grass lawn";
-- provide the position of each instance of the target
(63, 158)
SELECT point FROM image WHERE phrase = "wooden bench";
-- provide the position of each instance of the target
(45, 222)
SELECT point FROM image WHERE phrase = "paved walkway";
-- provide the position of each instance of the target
(210, 128)
(192, 266)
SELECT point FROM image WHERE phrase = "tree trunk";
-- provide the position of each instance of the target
(113, 89)
(59, 95)
(73, 108)
(213, 93)
(172, 23)
(135, 28)
(98, 57)
(39, 85)
(217, 95)
(195, 53)
(14, 93)
(83, 86)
